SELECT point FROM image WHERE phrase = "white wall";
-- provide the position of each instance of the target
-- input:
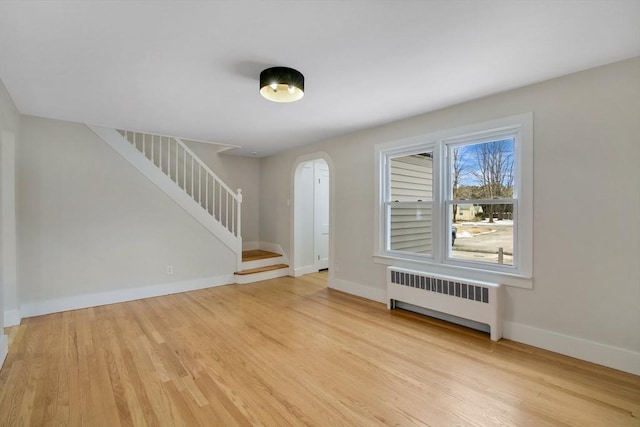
(236, 172)
(8, 238)
(89, 223)
(586, 296)
(9, 127)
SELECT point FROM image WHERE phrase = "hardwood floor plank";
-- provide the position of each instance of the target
(289, 351)
(160, 403)
(47, 356)
(126, 332)
(13, 401)
(83, 344)
(257, 254)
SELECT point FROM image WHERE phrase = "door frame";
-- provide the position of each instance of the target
(297, 269)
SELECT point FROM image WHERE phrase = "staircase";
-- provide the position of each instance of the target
(176, 170)
(258, 265)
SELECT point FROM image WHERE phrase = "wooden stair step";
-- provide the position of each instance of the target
(261, 269)
(257, 254)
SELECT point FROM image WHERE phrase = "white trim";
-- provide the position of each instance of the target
(4, 348)
(276, 249)
(520, 129)
(264, 246)
(223, 146)
(374, 294)
(271, 247)
(203, 165)
(463, 272)
(250, 246)
(590, 351)
(307, 269)
(265, 262)
(223, 149)
(76, 302)
(12, 318)
(517, 276)
(116, 141)
(243, 279)
(332, 208)
(602, 354)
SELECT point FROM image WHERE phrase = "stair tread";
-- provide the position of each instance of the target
(257, 254)
(261, 269)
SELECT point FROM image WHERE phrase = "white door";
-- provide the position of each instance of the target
(321, 214)
(305, 254)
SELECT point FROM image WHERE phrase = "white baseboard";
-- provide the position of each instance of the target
(301, 271)
(250, 246)
(12, 318)
(4, 348)
(602, 354)
(275, 248)
(271, 247)
(122, 295)
(379, 295)
(590, 351)
(265, 246)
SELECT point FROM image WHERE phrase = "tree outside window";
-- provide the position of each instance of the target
(482, 200)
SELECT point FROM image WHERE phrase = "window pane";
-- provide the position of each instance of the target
(410, 228)
(482, 170)
(410, 178)
(483, 233)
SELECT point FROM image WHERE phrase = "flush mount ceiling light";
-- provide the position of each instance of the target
(282, 84)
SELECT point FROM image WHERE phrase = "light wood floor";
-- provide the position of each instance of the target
(291, 352)
(257, 254)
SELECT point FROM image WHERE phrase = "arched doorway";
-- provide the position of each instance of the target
(311, 216)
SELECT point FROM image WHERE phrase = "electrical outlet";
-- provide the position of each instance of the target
(169, 269)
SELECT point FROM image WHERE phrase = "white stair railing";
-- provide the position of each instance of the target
(172, 156)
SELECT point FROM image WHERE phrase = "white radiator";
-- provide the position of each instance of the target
(478, 301)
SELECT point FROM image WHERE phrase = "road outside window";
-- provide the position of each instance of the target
(482, 200)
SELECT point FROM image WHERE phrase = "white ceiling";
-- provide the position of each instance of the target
(190, 68)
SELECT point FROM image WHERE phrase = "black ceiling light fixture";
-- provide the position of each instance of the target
(282, 84)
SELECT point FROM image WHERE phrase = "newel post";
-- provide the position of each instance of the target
(239, 212)
(239, 229)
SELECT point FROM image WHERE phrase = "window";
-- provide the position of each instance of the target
(409, 204)
(460, 201)
(480, 190)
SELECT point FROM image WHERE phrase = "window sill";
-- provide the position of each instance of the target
(461, 272)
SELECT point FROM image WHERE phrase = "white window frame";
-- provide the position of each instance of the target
(388, 203)
(440, 262)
